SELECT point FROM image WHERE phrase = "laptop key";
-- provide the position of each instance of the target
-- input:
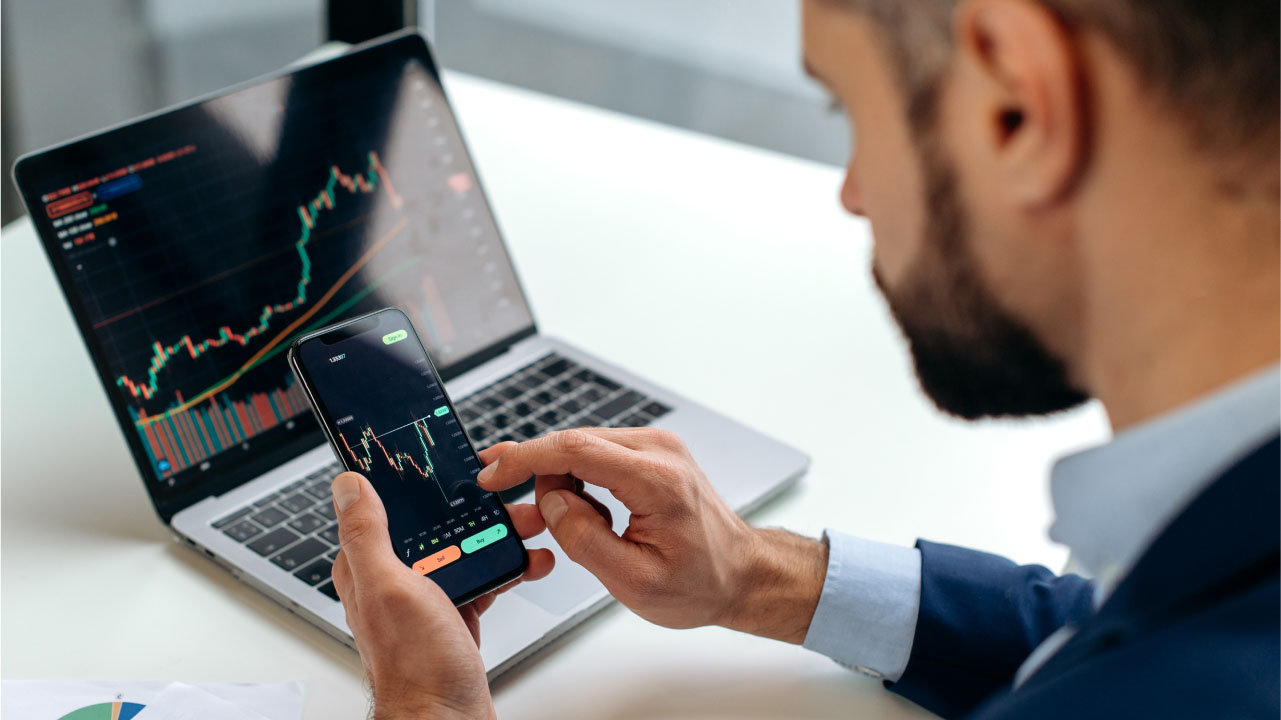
(242, 531)
(295, 555)
(293, 486)
(224, 522)
(269, 500)
(316, 573)
(297, 502)
(619, 404)
(557, 368)
(634, 420)
(273, 541)
(270, 517)
(591, 394)
(325, 510)
(329, 534)
(530, 429)
(657, 409)
(307, 524)
(320, 490)
(511, 392)
(328, 589)
(566, 386)
(605, 382)
(468, 414)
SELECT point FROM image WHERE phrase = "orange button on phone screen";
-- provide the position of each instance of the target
(438, 560)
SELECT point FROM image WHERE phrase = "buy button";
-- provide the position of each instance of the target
(484, 538)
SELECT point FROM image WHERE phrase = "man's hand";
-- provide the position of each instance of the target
(686, 559)
(421, 655)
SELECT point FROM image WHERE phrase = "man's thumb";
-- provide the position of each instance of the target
(584, 534)
(362, 525)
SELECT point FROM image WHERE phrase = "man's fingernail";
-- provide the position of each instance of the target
(346, 490)
(553, 508)
(486, 473)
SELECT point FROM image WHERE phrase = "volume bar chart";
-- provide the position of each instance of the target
(178, 440)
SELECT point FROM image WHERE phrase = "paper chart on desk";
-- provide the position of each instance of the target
(55, 699)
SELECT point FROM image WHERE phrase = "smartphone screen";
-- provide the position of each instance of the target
(381, 403)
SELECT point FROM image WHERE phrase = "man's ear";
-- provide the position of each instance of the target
(1027, 68)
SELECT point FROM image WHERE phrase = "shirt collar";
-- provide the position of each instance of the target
(1112, 501)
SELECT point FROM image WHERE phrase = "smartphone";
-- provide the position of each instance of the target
(385, 411)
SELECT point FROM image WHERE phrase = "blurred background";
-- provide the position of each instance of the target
(729, 68)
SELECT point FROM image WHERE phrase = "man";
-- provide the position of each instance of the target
(1071, 199)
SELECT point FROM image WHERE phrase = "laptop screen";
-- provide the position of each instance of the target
(194, 245)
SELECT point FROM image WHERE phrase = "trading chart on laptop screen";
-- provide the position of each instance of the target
(196, 245)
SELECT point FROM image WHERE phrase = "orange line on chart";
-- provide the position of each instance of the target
(369, 254)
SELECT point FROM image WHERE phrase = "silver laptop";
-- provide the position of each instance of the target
(195, 243)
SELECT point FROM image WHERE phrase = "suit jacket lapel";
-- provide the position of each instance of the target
(1226, 539)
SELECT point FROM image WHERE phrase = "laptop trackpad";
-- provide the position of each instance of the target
(566, 588)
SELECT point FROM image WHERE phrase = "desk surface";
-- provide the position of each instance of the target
(725, 272)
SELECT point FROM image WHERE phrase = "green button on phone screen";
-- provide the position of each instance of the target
(484, 538)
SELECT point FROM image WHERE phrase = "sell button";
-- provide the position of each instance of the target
(484, 538)
(437, 560)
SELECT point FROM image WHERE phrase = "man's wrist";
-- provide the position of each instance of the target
(430, 711)
(781, 580)
(430, 708)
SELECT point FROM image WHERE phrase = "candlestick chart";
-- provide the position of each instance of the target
(369, 449)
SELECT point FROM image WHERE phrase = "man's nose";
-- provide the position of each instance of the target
(851, 195)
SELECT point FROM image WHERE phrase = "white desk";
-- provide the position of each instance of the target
(725, 272)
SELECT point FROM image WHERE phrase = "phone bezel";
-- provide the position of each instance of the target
(323, 419)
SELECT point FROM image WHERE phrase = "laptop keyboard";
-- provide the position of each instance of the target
(551, 393)
(295, 526)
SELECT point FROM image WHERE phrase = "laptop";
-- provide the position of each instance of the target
(193, 244)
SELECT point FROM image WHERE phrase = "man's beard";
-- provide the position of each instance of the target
(973, 358)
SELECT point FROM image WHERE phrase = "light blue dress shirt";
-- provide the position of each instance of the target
(1110, 503)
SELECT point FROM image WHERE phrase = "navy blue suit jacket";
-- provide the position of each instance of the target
(1191, 632)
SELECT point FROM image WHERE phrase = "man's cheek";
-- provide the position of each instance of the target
(890, 254)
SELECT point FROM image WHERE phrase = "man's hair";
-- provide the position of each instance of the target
(1215, 63)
